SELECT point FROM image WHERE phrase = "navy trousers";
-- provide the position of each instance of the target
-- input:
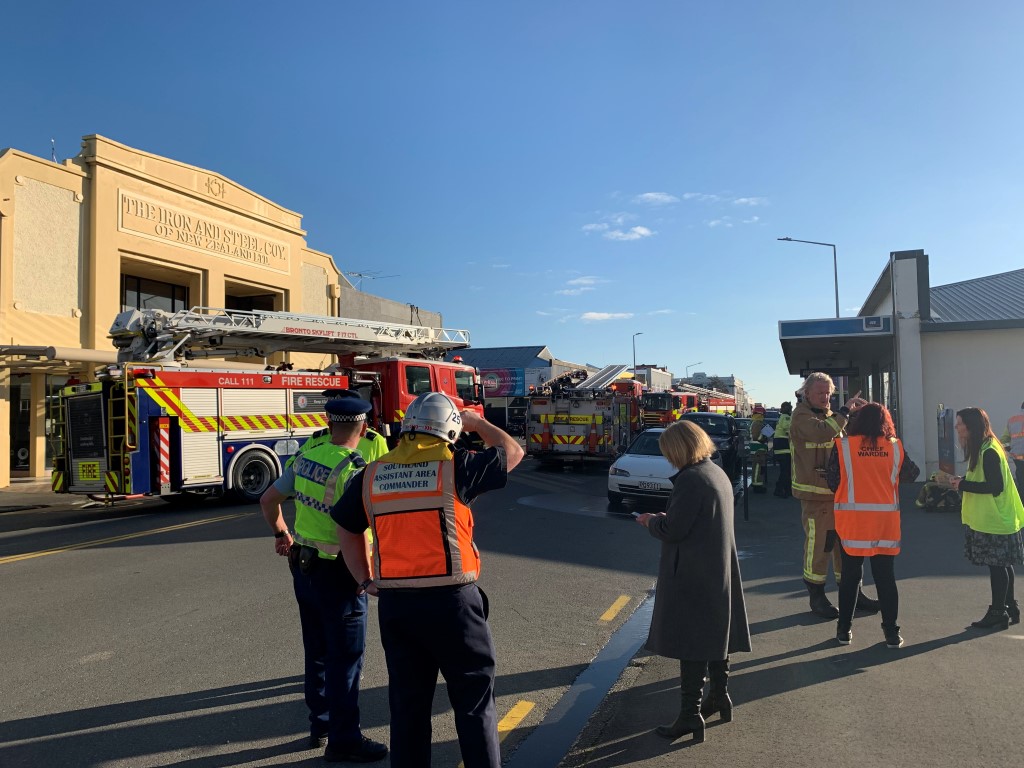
(426, 631)
(333, 637)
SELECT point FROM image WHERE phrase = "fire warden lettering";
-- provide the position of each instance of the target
(395, 478)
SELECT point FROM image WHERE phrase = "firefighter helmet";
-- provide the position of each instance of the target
(433, 413)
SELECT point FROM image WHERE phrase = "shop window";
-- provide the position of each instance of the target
(262, 303)
(143, 293)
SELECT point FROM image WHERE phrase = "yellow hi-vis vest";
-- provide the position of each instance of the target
(371, 446)
(868, 498)
(1002, 514)
(782, 433)
(1015, 426)
(320, 478)
(423, 531)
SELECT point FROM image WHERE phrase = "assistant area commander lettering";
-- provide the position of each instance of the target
(405, 477)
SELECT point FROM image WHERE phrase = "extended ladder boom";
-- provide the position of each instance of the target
(153, 335)
(693, 389)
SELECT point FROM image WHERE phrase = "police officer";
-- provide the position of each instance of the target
(332, 609)
(433, 617)
(372, 445)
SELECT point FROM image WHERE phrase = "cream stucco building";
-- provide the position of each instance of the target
(923, 350)
(116, 228)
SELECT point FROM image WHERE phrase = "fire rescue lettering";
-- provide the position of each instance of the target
(395, 478)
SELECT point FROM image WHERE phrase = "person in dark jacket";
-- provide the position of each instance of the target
(699, 613)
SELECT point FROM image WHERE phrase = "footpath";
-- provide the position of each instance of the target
(949, 697)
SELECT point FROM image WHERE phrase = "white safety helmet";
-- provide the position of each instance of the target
(433, 413)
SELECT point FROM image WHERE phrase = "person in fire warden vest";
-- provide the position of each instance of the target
(332, 608)
(433, 616)
(1013, 437)
(372, 445)
(781, 451)
(811, 433)
(865, 469)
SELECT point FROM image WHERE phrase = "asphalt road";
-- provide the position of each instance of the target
(155, 636)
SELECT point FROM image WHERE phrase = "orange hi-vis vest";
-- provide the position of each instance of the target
(423, 531)
(867, 501)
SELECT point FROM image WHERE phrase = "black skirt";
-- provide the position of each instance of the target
(998, 549)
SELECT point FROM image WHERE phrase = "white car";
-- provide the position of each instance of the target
(641, 472)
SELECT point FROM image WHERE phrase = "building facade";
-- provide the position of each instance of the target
(118, 228)
(923, 350)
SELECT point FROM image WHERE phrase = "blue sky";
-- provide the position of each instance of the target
(572, 173)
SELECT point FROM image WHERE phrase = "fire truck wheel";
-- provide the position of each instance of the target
(252, 475)
(614, 499)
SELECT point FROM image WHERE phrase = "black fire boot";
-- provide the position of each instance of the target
(820, 604)
(691, 687)
(866, 604)
(996, 618)
(718, 697)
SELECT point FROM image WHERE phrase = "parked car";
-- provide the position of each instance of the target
(641, 473)
(724, 433)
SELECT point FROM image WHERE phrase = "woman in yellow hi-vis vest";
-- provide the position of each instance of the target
(865, 469)
(992, 513)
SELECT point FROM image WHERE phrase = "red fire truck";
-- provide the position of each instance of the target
(586, 422)
(158, 424)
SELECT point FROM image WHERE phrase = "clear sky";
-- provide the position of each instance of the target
(570, 173)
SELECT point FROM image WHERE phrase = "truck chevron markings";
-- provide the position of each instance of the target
(168, 399)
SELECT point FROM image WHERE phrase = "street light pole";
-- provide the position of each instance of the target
(638, 333)
(835, 262)
(691, 365)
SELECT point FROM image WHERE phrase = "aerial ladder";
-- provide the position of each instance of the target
(158, 423)
(156, 336)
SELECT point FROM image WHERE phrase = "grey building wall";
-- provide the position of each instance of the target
(365, 306)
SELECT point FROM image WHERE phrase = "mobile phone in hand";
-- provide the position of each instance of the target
(635, 514)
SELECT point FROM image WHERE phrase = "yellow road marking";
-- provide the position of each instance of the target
(514, 717)
(112, 539)
(617, 606)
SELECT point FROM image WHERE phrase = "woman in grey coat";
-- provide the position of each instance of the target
(699, 614)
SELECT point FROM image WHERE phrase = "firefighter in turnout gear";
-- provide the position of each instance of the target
(332, 608)
(433, 617)
(781, 450)
(812, 431)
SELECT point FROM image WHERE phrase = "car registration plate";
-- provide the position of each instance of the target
(648, 486)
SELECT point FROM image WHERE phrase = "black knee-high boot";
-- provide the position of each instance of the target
(1012, 606)
(718, 697)
(691, 688)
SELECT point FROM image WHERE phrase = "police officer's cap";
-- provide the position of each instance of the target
(347, 409)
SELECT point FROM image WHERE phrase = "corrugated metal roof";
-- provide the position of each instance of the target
(504, 357)
(994, 297)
